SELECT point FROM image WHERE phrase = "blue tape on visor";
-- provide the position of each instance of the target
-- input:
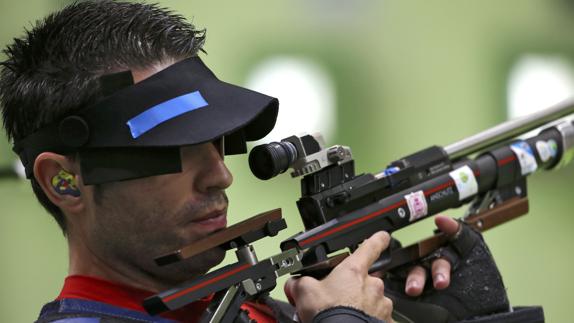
(165, 111)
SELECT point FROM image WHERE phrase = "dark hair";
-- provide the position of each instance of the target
(52, 70)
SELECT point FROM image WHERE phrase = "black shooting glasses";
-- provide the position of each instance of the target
(136, 130)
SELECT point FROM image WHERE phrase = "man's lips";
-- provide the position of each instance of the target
(213, 221)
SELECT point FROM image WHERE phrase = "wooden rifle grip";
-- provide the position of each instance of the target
(505, 212)
(482, 221)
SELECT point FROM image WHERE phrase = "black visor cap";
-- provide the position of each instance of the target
(184, 104)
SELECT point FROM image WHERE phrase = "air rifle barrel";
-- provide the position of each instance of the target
(508, 130)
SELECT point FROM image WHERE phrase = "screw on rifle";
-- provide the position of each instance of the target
(258, 286)
(322, 185)
(402, 212)
(479, 224)
(286, 262)
(335, 155)
(518, 190)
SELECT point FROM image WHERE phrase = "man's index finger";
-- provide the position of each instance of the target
(369, 251)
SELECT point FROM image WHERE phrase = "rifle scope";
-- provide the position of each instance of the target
(269, 160)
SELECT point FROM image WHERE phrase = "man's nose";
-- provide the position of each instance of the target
(213, 174)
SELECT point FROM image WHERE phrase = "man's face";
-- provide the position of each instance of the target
(134, 221)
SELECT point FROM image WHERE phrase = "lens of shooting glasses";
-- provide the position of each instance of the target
(269, 160)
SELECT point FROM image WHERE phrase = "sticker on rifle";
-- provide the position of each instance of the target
(417, 205)
(465, 182)
(543, 149)
(547, 149)
(553, 148)
(525, 157)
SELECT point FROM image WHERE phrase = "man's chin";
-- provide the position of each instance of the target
(193, 267)
(210, 259)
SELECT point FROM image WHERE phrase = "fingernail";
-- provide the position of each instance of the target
(384, 234)
(439, 278)
(412, 285)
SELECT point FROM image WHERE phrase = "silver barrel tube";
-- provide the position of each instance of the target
(509, 130)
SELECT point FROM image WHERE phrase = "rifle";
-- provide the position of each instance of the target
(340, 209)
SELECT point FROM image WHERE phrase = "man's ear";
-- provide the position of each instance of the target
(57, 175)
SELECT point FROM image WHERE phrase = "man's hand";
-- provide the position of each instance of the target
(349, 284)
(440, 269)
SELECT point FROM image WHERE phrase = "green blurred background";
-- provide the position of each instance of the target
(403, 75)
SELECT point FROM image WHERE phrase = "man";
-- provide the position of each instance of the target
(122, 131)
